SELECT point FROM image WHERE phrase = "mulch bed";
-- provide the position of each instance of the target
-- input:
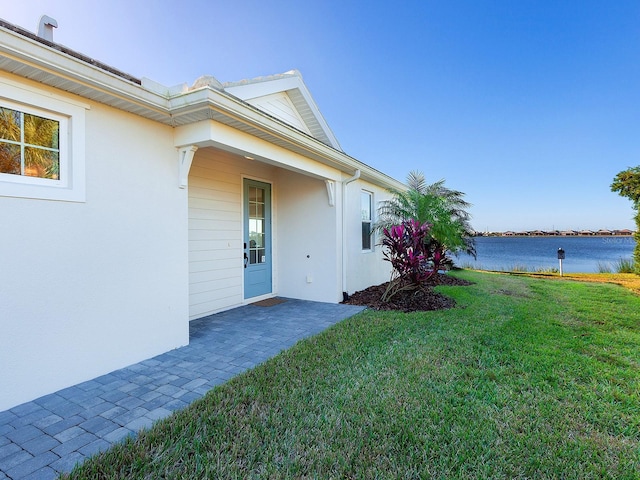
(422, 299)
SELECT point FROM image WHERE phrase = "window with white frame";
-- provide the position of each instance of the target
(41, 144)
(366, 208)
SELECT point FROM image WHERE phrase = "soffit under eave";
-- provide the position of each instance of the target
(84, 90)
(34, 61)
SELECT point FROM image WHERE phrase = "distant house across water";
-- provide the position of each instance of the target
(561, 233)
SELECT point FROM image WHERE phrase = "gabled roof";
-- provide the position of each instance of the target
(285, 96)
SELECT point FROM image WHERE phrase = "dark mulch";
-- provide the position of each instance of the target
(418, 300)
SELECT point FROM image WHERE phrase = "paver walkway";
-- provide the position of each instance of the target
(51, 434)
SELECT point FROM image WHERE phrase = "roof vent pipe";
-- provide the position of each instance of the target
(46, 26)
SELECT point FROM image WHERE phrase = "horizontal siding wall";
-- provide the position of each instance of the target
(215, 229)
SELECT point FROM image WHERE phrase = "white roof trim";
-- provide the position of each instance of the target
(38, 61)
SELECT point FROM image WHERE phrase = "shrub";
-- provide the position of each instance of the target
(414, 257)
(604, 267)
(625, 265)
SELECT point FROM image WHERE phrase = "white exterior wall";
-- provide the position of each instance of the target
(309, 240)
(364, 268)
(89, 287)
(110, 275)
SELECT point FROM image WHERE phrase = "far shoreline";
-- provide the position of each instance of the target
(547, 234)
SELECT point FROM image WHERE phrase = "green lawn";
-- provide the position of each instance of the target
(527, 378)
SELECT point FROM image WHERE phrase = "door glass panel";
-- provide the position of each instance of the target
(256, 233)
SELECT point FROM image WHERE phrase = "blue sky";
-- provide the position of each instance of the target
(529, 107)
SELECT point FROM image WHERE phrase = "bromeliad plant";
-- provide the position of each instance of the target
(414, 257)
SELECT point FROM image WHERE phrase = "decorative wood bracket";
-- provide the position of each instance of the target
(185, 157)
(331, 192)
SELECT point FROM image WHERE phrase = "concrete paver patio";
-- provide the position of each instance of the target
(49, 435)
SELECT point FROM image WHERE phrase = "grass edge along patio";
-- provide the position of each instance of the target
(526, 377)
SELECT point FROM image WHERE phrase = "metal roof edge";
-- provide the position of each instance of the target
(37, 59)
(61, 48)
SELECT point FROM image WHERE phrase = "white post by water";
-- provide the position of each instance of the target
(560, 258)
(560, 266)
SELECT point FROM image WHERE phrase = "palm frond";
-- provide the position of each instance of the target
(444, 209)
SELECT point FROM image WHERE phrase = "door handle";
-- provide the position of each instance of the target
(246, 259)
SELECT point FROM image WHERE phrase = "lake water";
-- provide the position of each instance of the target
(582, 254)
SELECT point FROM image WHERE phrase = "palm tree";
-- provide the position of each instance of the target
(627, 184)
(443, 208)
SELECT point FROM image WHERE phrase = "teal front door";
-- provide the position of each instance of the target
(257, 238)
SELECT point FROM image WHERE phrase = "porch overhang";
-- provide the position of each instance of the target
(201, 116)
(210, 133)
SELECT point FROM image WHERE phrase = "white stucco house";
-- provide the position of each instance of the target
(128, 209)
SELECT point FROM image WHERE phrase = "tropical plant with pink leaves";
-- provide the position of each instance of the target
(413, 257)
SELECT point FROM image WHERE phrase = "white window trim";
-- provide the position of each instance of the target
(71, 115)
(371, 221)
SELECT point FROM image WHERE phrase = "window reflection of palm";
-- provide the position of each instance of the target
(252, 252)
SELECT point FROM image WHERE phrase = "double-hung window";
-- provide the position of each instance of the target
(366, 207)
(41, 144)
